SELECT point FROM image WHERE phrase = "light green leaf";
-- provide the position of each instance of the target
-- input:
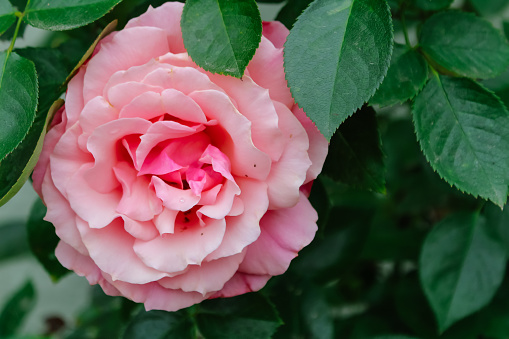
(433, 5)
(18, 95)
(336, 56)
(463, 130)
(160, 325)
(355, 156)
(461, 267)
(61, 15)
(18, 165)
(249, 316)
(7, 16)
(14, 312)
(406, 76)
(43, 241)
(221, 36)
(465, 44)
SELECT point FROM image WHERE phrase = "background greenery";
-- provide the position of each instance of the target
(413, 241)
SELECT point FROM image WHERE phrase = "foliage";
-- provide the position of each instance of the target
(413, 236)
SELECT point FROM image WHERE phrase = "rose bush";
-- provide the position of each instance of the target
(170, 185)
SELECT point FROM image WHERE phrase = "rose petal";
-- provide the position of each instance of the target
(223, 203)
(144, 230)
(176, 251)
(276, 32)
(147, 106)
(174, 198)
(96, 112)
(74, 102)
(165, 221)
(284, 233)
(242, 283)
(122, 94)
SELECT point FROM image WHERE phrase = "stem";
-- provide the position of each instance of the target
(20, 19)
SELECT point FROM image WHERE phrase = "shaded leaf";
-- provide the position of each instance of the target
(355, 156)
(406, 76)
(291, 11)
(433, 5)
(60, 15)
(15, 310)
(43, 241)
(221, 36)
(160, 325)
(249, 316)
(18, 95)
(487, 7)
(13, 240)
(336, 56)
(463, 130)
(461, 267)
(7, 16)
(465, 44)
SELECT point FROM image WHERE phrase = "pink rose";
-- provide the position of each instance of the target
(170, 185)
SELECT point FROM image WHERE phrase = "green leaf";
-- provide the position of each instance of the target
(433, 5)
(221, 36)
(355, 156)
(487, 7)
(463, 130)
(249, 316)
(497, 221)
(406, 76)
(12, 240)
(7, 16)
(461, 267)
(160, 325)
(43, 241)
(465, 44)
(16, 309)
(17, 166)
(393, 337)
(317, 314)
(291, 11)
(61, 15)
(336, 56)
(18, 95)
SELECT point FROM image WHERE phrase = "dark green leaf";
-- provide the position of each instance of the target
(7, 16)
(61, 15)
(461, 267)
(17, 307)
(465, 44)
(17, 166)
(497, 223)
(393, 337)
(317, 315)
(406, 76)
(160, 325)
(433, 5)
(221, 36)
(355, 156)
(506, 29)
(18, 95)
(291, 11)
(487, 7)
(500, 85)
(13, 240)
(249, 316)
(43, 241)
(336, 56)
(463, 130)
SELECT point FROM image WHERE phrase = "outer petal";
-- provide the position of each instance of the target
(242, 283)
(276, 32)
(284, 233)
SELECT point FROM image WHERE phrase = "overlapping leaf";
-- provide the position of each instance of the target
(336, 56)
(7, 16)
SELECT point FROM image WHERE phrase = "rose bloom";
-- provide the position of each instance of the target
(169, 185)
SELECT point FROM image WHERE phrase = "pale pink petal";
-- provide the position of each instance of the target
(111, 248)
(96, 112)
(174, 252)
(103, 146)
(244, 229)
(146, 106)
(209, 197)
(129, 47)
(266, 69)
(179, 105)
(98, 209)
(254, 102)
(237, 207)
(183, 79)
(223, 203)
(245, 158)
(242, 283)
(144, 230)
(289, 173)
(276, 32)
(81, 264)
(61, 215)
(165, 221)
(74, 98)
(122, 94)
(318, 145)
(284, 233)
(139, 201)
(166, 17)
(219, 161)
(178, 59)
(208, 277)
(174, 198)
(67, 158)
